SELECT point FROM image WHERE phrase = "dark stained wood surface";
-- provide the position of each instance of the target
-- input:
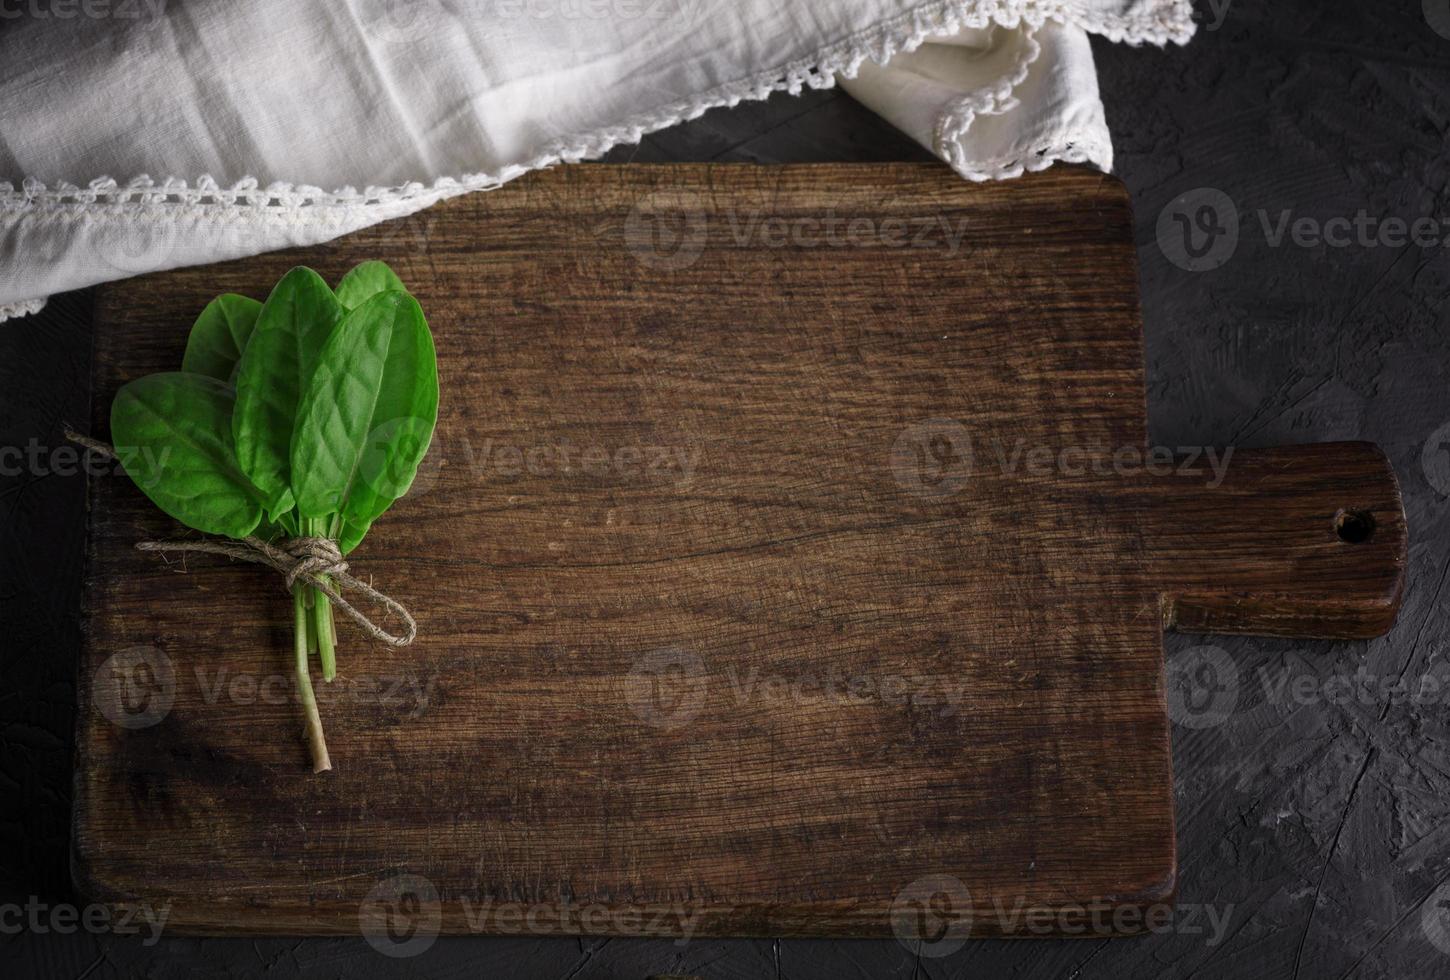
(797, 461)
(1305, 541)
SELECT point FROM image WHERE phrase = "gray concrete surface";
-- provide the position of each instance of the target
(1313, 837)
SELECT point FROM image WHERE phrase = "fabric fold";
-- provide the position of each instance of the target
(281, 123)
(995, 104)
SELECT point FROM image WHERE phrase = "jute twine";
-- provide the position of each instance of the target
(316, 561)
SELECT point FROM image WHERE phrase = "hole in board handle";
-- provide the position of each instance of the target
(1354, 526)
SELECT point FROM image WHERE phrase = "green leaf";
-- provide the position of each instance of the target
(220, 335)
(351, 536)
(366, 420)
(364, 281)
(173, 435)
(285, 526)
(275, 369)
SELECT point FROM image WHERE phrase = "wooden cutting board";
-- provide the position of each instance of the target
(774, 571)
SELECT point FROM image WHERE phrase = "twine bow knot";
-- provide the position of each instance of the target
(315, 556)
(316, 561)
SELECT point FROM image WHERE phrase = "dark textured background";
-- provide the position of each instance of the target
(1318, 829)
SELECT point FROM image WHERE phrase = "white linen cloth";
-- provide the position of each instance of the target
(149, 134)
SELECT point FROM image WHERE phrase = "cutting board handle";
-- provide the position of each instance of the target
(1299, 541)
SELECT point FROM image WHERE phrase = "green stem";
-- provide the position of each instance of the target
(326, 645)
(321, 615)
(316, 743)
(311, 628)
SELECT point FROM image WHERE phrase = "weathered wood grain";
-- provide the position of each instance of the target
(1306, 541)
(716, 443)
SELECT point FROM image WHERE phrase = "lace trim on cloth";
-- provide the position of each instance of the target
(998, 99)
(993, 100)
(23, 308)
(292, 204)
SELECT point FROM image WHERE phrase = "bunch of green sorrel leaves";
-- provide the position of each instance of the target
(304, 416)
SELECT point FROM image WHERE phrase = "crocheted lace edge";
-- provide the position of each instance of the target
(1156, 23)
